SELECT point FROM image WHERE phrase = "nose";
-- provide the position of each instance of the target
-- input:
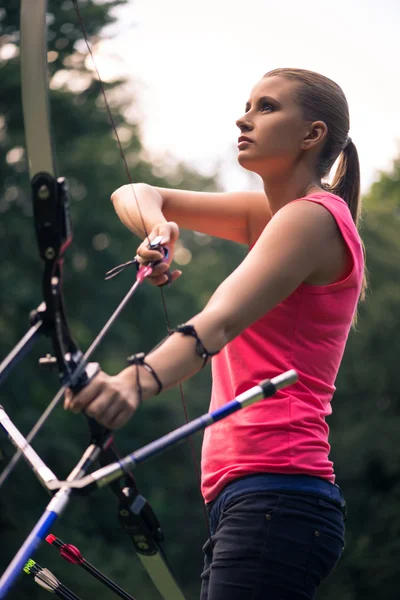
(244, 124)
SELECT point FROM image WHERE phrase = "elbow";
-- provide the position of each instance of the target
(232, 328)
(221, 328)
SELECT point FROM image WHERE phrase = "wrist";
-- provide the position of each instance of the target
(143, 376)
(148, 384)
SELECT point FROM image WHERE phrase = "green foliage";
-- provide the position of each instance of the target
(364, 425)
(88, 155)
(366, 411)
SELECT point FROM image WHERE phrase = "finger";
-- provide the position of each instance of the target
(174, 231)
(120, 419)
(159, 280)
(78, 402)
(146, 254)
(159, 269)
(67, 398)
(169, 232)
(114, 414)
(175, 275)
(162, 279)
(104, 404)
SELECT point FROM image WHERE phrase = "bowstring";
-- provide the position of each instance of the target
(164, 303)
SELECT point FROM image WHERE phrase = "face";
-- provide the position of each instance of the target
(274, 126)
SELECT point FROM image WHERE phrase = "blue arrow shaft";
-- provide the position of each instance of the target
(33, 540)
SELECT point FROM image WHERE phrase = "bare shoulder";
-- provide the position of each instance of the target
(315, 229)
(310, 220)
(299, 215)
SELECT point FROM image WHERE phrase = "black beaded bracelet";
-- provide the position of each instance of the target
(200, 349)
(139, 360)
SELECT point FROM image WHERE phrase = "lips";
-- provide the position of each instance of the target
(243, 138)
(244, 142)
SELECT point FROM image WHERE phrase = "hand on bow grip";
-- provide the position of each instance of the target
(159, 253)
(75, 385)
(110, 400)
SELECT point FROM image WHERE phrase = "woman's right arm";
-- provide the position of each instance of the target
(236, 216)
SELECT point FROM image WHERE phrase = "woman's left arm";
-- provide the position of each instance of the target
(294, 245)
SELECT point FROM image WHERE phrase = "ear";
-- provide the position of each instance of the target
(316, 132)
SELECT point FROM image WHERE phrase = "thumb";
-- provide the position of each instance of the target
(169, 232)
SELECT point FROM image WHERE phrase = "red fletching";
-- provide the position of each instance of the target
(51, 538)
(71, 554)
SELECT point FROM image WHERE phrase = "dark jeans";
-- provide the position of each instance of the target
(272, 545)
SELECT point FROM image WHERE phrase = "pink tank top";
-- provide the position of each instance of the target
(307, 332)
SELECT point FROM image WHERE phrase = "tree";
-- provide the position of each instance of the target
(365, 421)
(88, 156)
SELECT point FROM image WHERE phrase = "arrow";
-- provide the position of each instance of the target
(71, 554)
(48, 581)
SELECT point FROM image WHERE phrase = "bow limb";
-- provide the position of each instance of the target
(49, 193)
(54, 235)
(51, 215)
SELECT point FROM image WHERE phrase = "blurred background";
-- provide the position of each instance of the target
(177, 76)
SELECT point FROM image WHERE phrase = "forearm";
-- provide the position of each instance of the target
(176, 358)
(139, 207)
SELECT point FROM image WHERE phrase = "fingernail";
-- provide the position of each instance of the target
(66, 404)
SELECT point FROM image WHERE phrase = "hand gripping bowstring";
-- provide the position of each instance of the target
(54, 234)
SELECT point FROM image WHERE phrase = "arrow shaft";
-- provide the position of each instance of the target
(27, 549)
(53, 510)
(105, 580)
(113, 471)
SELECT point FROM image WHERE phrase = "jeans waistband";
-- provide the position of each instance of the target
(265, 482)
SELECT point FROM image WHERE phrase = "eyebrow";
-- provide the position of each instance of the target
(262, 99)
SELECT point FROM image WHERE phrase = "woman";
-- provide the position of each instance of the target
(277, 517)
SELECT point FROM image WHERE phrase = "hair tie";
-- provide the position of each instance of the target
(348, 141)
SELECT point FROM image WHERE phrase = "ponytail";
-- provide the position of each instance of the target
(346, 181)
(346, 185)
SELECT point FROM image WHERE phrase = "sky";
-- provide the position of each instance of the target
(191, 66)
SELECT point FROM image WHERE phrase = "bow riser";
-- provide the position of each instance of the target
(54, 235)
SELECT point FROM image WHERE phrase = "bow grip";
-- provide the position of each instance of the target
(100, 435)
(78, 382)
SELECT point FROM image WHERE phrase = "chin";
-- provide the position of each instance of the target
(249, 163)
(244, 161)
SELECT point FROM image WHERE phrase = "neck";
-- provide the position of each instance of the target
(283, 189)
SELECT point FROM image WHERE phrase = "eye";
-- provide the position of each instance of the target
(267, 107)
